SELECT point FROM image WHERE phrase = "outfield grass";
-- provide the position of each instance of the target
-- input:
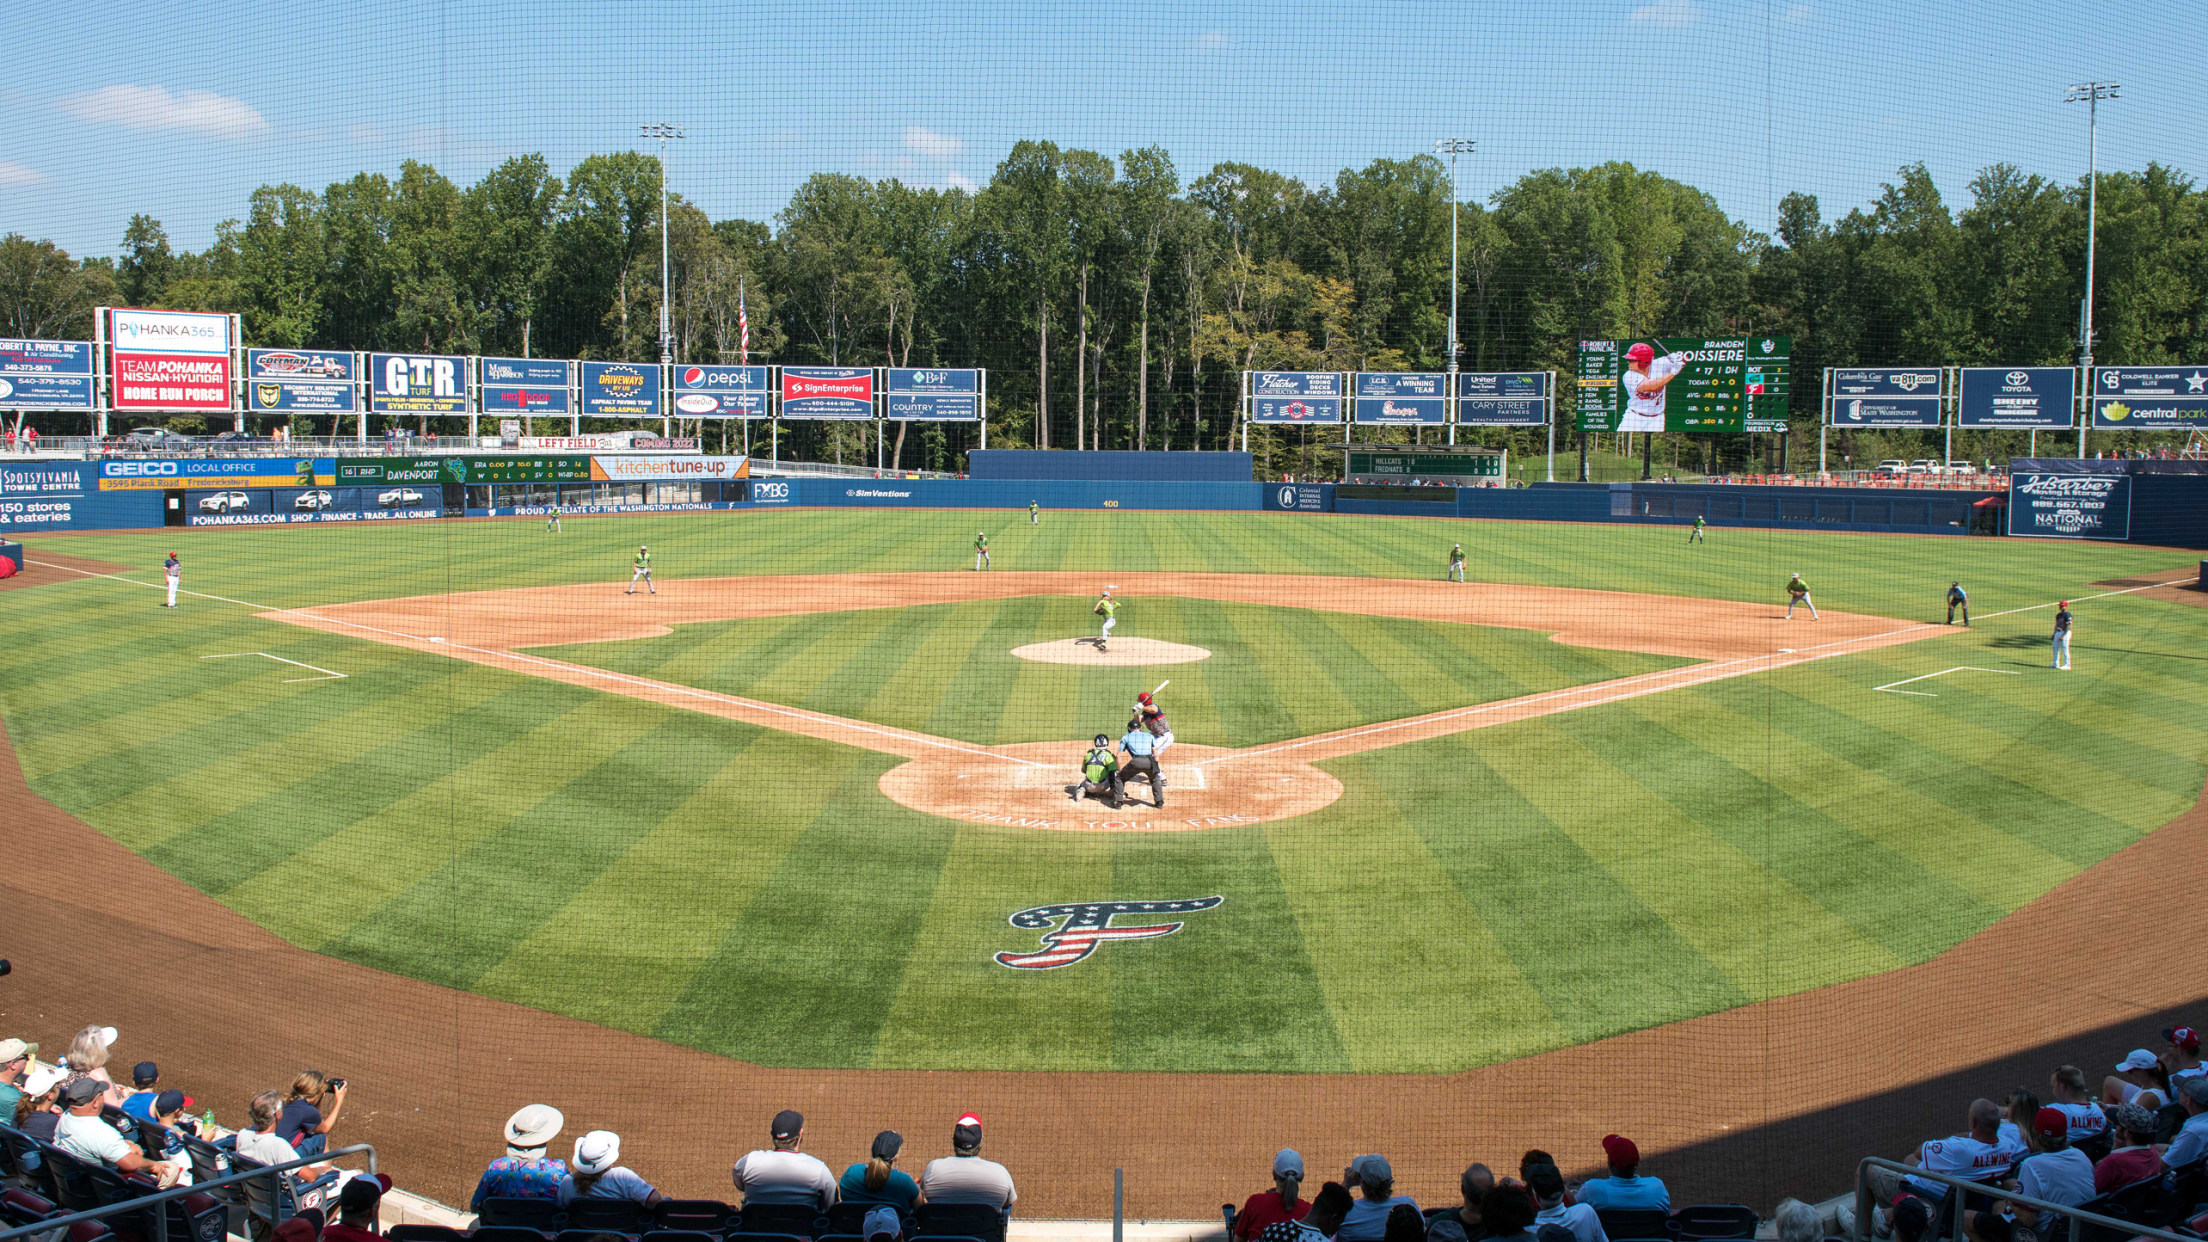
(1470, 898)
(1274, 673)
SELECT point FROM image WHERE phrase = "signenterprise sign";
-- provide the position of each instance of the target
(2034, 397)
(827, 392)
(2150, 398)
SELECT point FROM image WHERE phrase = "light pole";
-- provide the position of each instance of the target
(1453, 147)
(666, 334)
(2091, 93)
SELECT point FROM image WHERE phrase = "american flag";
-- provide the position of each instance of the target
(743, 326)
(1087, 925)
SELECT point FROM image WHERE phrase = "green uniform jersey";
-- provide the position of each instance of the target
(1698, 521)
(1797, 587)
(643, 560)
(1107, 607)
(1097, 765)
(1456, 555)
(981, 543)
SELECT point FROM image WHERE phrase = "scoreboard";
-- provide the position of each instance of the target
(1721, 382)
(529, 470)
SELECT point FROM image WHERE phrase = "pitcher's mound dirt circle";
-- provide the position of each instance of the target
(998, 788)
(1120, 653)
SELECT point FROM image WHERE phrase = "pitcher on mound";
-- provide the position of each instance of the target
(1107, 608)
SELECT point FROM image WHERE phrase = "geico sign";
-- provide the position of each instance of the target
(137, 469)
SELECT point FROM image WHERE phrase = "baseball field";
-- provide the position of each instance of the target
(786, 809)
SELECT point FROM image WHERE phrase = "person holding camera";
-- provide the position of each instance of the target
(303, 1123)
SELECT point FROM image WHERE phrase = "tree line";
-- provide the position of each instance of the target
(1114, 303)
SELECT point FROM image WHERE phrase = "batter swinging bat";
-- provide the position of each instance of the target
(1161, 685)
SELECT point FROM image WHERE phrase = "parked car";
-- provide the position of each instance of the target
(1924, 465)
(154, 437)
(225, 502)
(234, 437)
(399, 498)
(1892, 465)
(311, 500)
(1961, 467)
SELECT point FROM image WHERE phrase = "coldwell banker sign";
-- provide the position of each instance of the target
(2069, 500)
(1295, 396)
(2034, 397)
(170, 360)
(2150, 398)
(1886, 397)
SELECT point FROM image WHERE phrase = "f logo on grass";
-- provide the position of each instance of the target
(1088, 924)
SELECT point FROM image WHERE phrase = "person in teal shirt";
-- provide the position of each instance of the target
(877, 1181)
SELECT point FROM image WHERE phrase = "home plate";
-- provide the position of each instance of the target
(1024, 786)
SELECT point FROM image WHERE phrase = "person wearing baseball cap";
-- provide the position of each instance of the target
(963, 1176)
(526, 1171)
(15, 1061)
(42, 1088)
(1284, 1202)
(784, 1175)
(2131, 1157)
(84, 1134)
(2191, 1142)
(2139, 1079)
(1646, 376)
(1374, 1179)
(1625, 1187)
(879, 1180)
(357, 1206)
(2057, 1172)
(882, 1224)
(598, 1173)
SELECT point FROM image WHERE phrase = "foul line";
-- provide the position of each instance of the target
(1960, 668)
(327, 674)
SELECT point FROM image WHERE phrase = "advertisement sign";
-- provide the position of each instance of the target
(722, 392)
(1503, 398)
(429, 471)
(936, 394)
(1883, 397)
(317, 381)
(525, 385)
(149, 476)
(528, 469)
(169, 360)
(1400, 398)
(2035, 397)
(773, 491)
(417, 384)
(1690, 384)
(668, 469)
(54, 480)
(827, 392)
(2147, 398)
(1298, 497)
(45, 375)
(621, 389)
(1295, 396)
(2070, 505)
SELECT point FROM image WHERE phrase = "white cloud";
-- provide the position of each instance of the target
(1671, 13)
(1210, 40)
(156, 107)
(1799, 13)
(960, 181)
(930, 143)
(12, 175)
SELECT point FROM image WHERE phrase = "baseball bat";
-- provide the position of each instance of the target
(1161, 685)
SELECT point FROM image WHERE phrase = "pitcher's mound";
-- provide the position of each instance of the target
(1119, 653)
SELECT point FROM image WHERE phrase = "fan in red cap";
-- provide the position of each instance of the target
(1646, 376)
(2183, 1058)
(963, 1176)
(1625, 1187)
(2056, 1171)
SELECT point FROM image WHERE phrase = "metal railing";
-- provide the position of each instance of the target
(830, 469)
(158, 1198)
(2076, 1218)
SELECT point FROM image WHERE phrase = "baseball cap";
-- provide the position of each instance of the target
(2195, 1089)
(1642, 351)
(787, 1123)
(2063, 603)
(2138, 1058)
(1545, 1181)
(1911, 1215)
(44, 1079)
(171, 1100)
(1288, 1161)
(1373, 1168)
(2052, 1122)
(597, 1151)
(966, 1131)
(1621, 1150)
(2184, 1037)
(887, 1144)
(2137, 1118)
(882, 1222)
(83, 1091)
(144, 1073)
(10, 1049)
(362, 1193)
(301, 1228)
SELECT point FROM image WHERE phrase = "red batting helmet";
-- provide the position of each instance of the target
(1144, 697)
(1641, 352)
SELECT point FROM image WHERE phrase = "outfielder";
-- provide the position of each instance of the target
(1644, 380)
(643, 564)
(1695, 535)
(1034, 514)
(1107, 608)
(1142, 760)
(1150, 718)
(1957, 597)
(1099, 774)
(1456, 562)
(172, 570)
(2062, 636)
(1797, 592)
(552, 519)
(981, 549)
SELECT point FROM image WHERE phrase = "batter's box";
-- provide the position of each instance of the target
(1176, 777)
(1227, 791)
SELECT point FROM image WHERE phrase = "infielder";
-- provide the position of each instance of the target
(1142, 750)
(1099, 774)
(1957, 597)
(643, 570)
(1456, 562)
(1107, 608)
(1034, 514)
(2062, 636)
(1695, 535)
(1644, 381)
(172, 570)
(1150, 718)
(1797, 592)
(981, 549)
(552, 519)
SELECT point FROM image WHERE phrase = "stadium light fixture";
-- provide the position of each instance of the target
(1453, 147)
(2090, 94)
(666, 333)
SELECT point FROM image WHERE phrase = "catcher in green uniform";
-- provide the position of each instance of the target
(1099, 774)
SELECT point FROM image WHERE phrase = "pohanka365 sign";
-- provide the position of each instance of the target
(169, 360)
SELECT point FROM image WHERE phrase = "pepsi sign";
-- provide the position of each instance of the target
(722, 392)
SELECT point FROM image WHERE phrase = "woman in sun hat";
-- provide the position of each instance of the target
(525, 1171)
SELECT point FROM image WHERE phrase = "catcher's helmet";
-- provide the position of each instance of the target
(1102, 740)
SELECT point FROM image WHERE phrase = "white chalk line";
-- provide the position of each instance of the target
(327, 674)
(1960, 668)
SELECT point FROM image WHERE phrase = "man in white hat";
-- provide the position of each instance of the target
(525, 1172)
(15, 1061)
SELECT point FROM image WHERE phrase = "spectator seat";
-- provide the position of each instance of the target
(604, 1215)
(276, 1198)
(958, 1220)
(593, 1235)
(508, 1233)
(423, 1233)
(795, 1219)
(680, 1235)
(710, 1215)
(539, 1214)
(1634, 1224)
(1708, 1222)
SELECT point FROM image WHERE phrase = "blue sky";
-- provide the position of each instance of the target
(181, 109)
